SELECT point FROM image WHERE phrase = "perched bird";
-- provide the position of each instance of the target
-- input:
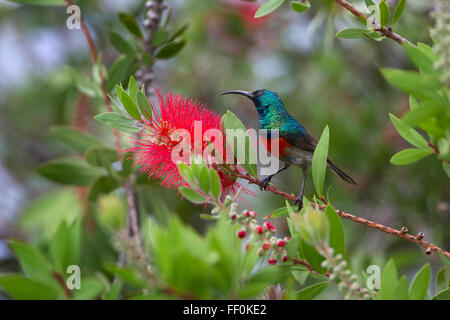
(296, 144)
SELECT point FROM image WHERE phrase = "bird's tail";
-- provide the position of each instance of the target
(340, 173)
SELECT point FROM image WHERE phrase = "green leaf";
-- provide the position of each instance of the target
(192, 195)
(69, 171)
(419, 85)
(131, 24)
(301, 275)
(204, 180)
(91, 287)
(119, 71)
(115, 120)
(424, 112)
(216, 186)
(352, 33)
(312, 291)
(445, 262)
(41, 2)
(133, 89)
(171, 49)
(408, 156)
(384, 13)
(128, 103)
(79, 141)
(420, 59)
(247, 160)
(102, 185)
(300, 6)
(144, 105)
(419, 285)
(101, 156)
(401, 290)
(408, 133)
(178, 32)
(319, 161)
(121, 44)
(19, 287)
(388, 281)
(292, 247)
(441, 295)
(336, 233)
(398, 10)
(159, 37)
(65, 247)
(32, 261)
(280, 212)
(446, 168)
(369, 3)
(268, 7)
(441, 281)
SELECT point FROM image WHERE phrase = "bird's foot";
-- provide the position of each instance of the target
(299, 201)
(264, 182)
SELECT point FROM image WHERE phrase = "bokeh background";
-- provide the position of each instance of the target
(322, 79)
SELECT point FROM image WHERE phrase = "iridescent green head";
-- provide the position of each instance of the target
(263, 99)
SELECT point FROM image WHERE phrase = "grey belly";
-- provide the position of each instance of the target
(298, 157)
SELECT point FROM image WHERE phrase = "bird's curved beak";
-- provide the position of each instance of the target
(241, 92)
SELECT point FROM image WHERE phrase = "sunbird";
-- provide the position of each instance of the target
(296, 144)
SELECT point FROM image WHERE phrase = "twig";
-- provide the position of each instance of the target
(398, 233)
(386, 32)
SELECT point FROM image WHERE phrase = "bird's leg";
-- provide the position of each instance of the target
(300, 196)
(264, 182)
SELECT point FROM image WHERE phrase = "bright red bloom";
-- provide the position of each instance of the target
(266, 246)
(153, 152)
(285, 258)
(272, 261)
(269, 226)
(259, 229)
(281, 243)
(241, 234)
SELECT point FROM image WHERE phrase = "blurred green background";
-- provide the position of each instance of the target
(323, 80)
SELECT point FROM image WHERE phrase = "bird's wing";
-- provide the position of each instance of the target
(299, 137)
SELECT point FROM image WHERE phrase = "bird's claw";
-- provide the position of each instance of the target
(299, 201)
(264, 182)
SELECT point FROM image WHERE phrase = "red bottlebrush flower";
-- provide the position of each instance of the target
(259, 230)
(266, 246)
(269, 226)
(272, 261)
(281, 243)
(285, 258)
(153, 152)
(241, 234)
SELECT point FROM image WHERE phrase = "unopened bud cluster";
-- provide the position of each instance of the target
(259, 236)
(347, 282)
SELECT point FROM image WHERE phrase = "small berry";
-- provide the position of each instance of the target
(285, 258)
(259, 229)
(272, 261)
(233, 217)
(266, 246)
(281, 243)
(269, 226)
(241, 234)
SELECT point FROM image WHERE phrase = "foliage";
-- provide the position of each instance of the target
(198, 242)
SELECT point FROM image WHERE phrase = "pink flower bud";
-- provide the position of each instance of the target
(259, 229)
(285, 258)
(281, 243)
(233, 217)
(253, 214)
(266, 246)
(241, 234)
(269, 226)
(272, 261)
(247, 213)
(287, 239)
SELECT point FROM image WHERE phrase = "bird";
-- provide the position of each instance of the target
(296, 144)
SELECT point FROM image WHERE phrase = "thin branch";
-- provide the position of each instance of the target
(403, 233)
(386, 32)
(130, 193)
